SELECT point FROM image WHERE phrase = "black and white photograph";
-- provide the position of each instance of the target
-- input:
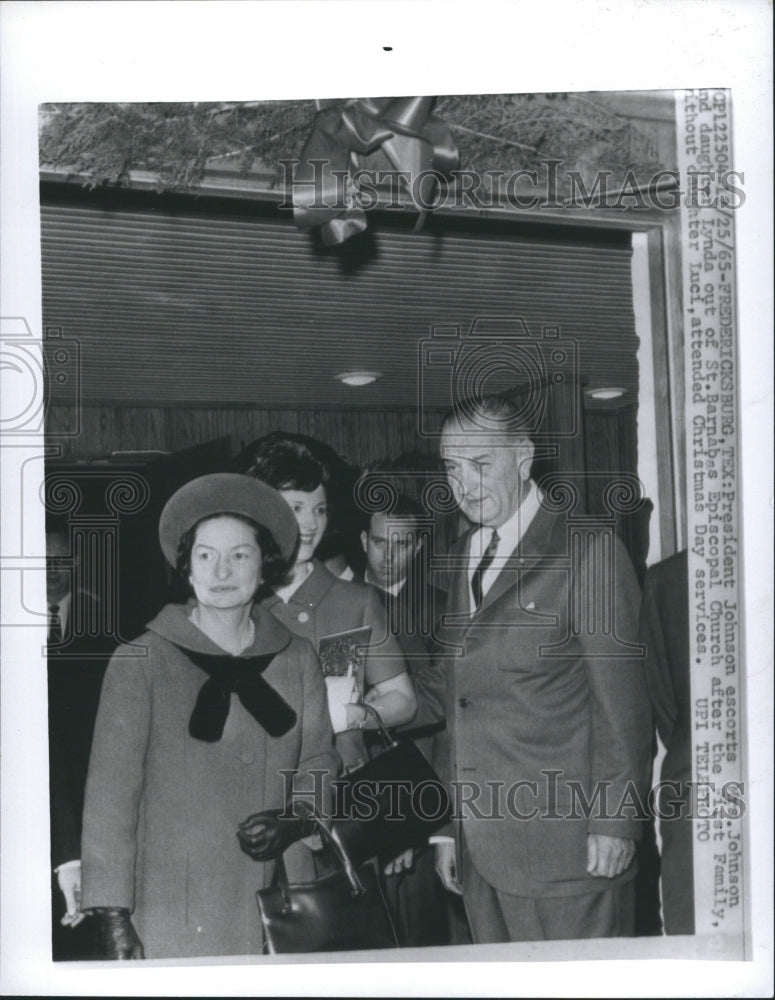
(385, 508)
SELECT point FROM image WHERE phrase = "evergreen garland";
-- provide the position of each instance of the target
(177, 142)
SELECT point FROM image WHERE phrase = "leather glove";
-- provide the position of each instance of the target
(116, 937)
(266, 835)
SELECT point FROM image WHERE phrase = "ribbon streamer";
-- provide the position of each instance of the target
(412, 138)
(240, 675)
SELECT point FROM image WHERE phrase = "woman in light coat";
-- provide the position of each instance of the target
(204, 720)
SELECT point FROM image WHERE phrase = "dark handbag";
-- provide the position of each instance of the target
(393, 802)
(343, 911)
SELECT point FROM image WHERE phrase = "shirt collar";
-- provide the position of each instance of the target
(286, 592)
(394, 589)
(64, 609)
(310, 591)
(512, 531)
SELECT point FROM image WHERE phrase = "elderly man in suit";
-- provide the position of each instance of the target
(547, 745)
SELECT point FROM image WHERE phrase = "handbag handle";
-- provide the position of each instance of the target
(331, 840)
(386, 737)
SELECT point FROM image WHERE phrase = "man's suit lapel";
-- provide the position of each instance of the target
(541, 539)
(544, 538)
(457, 611)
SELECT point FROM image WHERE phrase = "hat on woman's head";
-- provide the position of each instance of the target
(226, 493)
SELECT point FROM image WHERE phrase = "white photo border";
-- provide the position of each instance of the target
(70, 51)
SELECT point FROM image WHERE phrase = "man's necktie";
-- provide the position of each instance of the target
(54, 625)
(484, 564)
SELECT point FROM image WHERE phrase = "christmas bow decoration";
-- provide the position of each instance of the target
(415, 142)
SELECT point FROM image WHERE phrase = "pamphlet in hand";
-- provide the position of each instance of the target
(343, 658)
(344, 655)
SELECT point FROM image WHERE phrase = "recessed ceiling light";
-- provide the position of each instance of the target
(358, 377)
(612, 393)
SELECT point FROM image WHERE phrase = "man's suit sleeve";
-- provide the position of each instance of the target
(657, 665)
(442, 765)
(429, 680)
(65, 822)
(621, 726)
(442, 754)
(74, 681)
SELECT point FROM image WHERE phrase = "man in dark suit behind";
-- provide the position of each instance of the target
(546, 706)
(77, 656)
(393, 544)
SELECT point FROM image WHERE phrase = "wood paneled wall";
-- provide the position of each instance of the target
(605, 446)
(359, 435)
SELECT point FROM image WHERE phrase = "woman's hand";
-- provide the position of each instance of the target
(116, 937)
(355, 715)
(266, 835)
(394, 699)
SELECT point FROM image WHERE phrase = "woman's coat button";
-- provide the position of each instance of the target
(247, 756)
(303, 616)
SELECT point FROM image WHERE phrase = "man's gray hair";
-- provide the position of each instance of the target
(489, 415)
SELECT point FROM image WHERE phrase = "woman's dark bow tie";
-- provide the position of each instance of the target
(240, 675)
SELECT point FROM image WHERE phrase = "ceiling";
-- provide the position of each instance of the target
(218, 301)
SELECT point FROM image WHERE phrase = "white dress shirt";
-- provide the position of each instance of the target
(394, 589)
(510, 535)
